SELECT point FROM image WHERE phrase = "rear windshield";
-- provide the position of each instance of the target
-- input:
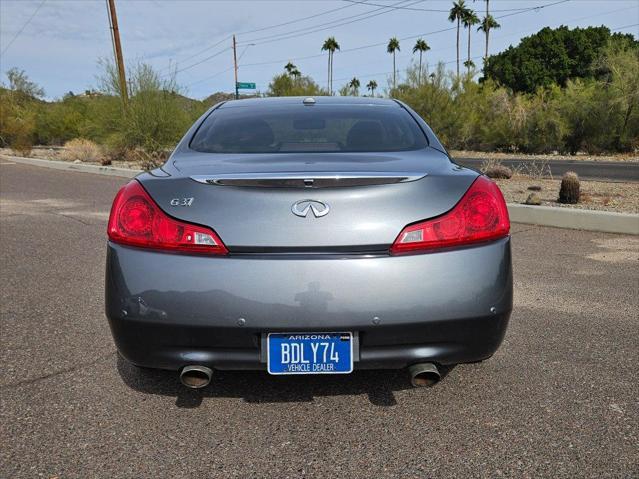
(317, 128)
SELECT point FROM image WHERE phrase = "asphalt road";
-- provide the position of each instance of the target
(587, 170)
(559, 399)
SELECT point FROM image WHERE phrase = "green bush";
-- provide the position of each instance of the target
(288, 85)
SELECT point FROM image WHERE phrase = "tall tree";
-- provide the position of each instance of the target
(290, 67)
(420, 46)
(392, 47)
(455, 15)
(354, 86)
(488, 23)
(470, 20)
(19, 82)
(528, 66)
(330, 45)
(371, 85)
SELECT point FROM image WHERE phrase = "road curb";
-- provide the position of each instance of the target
(570, 218)
(67, 165)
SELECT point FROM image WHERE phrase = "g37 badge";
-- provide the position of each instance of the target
(182, 201)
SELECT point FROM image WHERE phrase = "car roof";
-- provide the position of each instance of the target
(299, 100)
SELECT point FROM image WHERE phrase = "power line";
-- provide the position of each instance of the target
(210, 77)
(327, 25)
(248, 42)
(197, 63)
(210, 47)
(364, 2)
(625, 26)
(269, 27)
(23, 27)
(294, 21)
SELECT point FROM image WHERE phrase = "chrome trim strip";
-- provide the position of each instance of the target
(400, 177)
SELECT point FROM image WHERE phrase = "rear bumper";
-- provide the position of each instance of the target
(169, 310)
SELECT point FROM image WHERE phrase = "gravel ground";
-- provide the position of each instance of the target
(633, 157)
(595, 195)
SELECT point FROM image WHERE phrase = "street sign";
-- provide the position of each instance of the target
(245, 86)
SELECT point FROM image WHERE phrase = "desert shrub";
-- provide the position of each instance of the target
(22, 145)
(499, 172)
(147, 160)
(290, 85)
(81, 149)
(545, 128)
(17, 120)
(569, 190)
(156, 115)
(433, 100)
(494, 169)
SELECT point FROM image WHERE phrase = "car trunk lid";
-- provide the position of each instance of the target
(309, 202)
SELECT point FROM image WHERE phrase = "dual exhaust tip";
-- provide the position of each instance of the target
(421, 375)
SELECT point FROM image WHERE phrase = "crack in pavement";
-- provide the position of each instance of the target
(26, 382)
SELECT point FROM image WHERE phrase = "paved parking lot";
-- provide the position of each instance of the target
(559, 399)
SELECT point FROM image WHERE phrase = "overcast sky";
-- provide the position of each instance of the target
(58, 42)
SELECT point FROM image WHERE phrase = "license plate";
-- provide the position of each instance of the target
(310, 353)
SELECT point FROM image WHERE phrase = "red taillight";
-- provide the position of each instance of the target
(137, 220)
(481, 215)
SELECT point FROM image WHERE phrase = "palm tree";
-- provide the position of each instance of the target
(455, 15)
(393, 46)
(295, 73)
(487, 24)
(469, 19)
(354, 86)
(289, 67)
(371, 86)
(330, 45)
(420, 46)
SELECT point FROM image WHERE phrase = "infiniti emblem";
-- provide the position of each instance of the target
(302, 207)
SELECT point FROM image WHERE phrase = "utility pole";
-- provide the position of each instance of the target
(117, 48)
(237, 92)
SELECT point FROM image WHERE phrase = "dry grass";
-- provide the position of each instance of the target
(535, 169)
(81, 149)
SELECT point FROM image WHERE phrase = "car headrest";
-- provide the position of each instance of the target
(365, 134)
(254, 133)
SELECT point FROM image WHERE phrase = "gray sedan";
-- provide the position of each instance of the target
(308, 236)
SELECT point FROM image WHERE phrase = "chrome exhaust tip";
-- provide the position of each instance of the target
(424, 375)
(196, 377)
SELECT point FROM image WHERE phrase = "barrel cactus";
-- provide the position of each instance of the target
(569, 190)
